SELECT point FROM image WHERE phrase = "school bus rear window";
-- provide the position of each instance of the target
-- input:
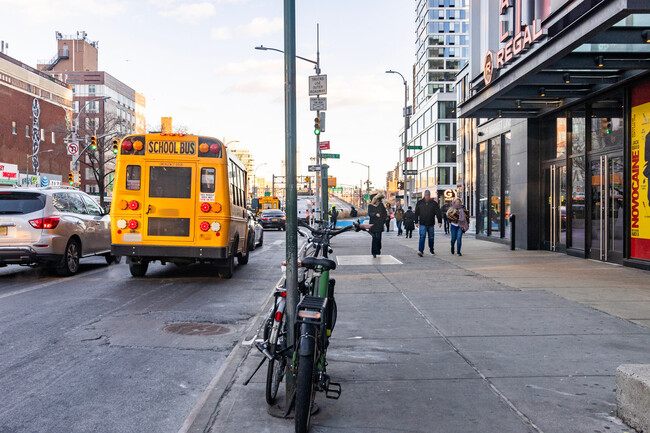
(170, 182)
(207, 179)
(133, 174)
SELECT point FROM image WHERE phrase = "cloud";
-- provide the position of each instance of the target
(58, 10)
(220, 33)
(189, 12)
(260, 26)
(250, 65)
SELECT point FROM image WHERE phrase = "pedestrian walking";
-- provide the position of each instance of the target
(445, 221)
(409, 222)
(353, 212)
(389, 210)
(426, 211)
(377, 214)
(399, 219)
(334, 215)
(459, 218)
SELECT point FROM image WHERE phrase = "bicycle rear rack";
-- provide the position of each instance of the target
(311, 310)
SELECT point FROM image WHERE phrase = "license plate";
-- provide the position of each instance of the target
(275, 220)
(3, 231)
(132, 237)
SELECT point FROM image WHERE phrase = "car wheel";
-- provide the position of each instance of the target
(69, 264)
(139, 269)
(112, 259)
(261, 240)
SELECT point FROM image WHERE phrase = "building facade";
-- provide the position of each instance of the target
(34, 120)
(103, 106)
(442, 28)
(556, 102)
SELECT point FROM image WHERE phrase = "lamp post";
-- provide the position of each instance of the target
(32, 155)
(406, 127)
(255, 177)
(367, 181)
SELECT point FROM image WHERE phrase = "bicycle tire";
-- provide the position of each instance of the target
(276, 367)
(304, 393)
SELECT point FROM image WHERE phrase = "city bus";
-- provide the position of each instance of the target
(181, 199)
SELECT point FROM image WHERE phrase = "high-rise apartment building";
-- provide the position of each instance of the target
(442, 28)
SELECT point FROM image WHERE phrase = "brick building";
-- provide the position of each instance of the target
(35, 113)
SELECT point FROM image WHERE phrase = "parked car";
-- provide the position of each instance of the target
(53, 227)
(255, 232)
(273, 218)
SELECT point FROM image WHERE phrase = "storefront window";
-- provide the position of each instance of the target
(561, 133)
(482, 215)
(495, 186)
(607, 123)
(578, 203)
(578, 133)
(507, 138)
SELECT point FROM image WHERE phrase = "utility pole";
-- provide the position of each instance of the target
(319, 161)
(291, 195)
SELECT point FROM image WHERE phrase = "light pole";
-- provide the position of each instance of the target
(367, 181)
(406, 127)
(32, 155)
(255, 177)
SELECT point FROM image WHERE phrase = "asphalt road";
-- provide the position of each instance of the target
(89, 353)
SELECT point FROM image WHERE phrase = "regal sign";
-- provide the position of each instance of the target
(516, 36)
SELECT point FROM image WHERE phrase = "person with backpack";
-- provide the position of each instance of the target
(399, 219)
(459, 219)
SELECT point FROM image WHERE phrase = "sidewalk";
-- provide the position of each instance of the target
(494, 341)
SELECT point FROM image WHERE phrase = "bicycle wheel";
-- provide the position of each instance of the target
(276, 367)
(304, 393)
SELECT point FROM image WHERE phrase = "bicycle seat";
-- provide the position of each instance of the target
(314, 262)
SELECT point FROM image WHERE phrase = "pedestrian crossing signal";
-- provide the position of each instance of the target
(317, 126)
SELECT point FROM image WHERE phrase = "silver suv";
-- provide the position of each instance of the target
(53, 227)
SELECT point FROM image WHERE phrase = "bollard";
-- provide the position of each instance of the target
(512, 232)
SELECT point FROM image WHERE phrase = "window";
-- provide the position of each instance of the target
(495, 186)
(13, 128)
(444, 175)
(52, 137)
(507, 207)
(446, 132)
(446, 153)
(42, 134)
(577, 210)
(170, 182)
(92, 207)
(133, 173)
(91, 89)
(27, 131)
(447, 110)
(482, 217)
(207, 179)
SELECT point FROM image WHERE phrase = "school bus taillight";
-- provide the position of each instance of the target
(204, 147)
(215, 148)
(133, 224)
(215, 226)
(124, 205)
(217, 207)
(122, 224)
(127, 145)
(205, 207)
(204, 226)
(134, 205)
(137, 145)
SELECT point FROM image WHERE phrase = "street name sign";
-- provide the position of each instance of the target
(414, 147)
(410, 172)
(331, 156)
(313, 168)
(72, 148)
(409, 159)
(324, 145)
(318, 104)
(317, 85)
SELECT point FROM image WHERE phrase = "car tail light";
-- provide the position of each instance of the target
(45, 223)
(283, 294)
(278, 316)
(215, 148)
(204, 226)
(127, 145)
(205, 207)
(264, 219)
(122, 224)
(134, 205)
(215, 226)
(133, 224)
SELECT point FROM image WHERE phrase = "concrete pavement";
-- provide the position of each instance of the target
(494, 341)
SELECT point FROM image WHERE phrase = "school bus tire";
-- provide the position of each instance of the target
(138, 269)
(227, 269)
(242, 258)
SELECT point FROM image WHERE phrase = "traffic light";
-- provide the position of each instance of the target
(317, 126)
(115, 145)
(400, 184)
(609, 127)
(93, 142)
(71, 178)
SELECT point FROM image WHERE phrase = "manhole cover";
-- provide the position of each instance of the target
(197, 329)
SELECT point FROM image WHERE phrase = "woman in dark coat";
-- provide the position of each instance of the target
(377, 213)
(409, 222)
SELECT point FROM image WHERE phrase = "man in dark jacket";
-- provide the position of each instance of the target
(377, 214)
(426, 211)
(409, 222)
(334, 216)
(353, 212)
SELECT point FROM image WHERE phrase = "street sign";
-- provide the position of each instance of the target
(313, 168)
(331, 182)
(318, 104)
(331, 156)
(408, 111)
(410, 172)
(317, 85)
(72, 148)
(409, 159)
(324, 145)
(414, 147)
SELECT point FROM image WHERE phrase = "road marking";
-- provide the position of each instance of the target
(50, 283)
(278, 242)
(360, 260)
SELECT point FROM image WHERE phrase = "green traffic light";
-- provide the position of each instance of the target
(317, 131)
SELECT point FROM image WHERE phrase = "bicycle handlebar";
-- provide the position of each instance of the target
(330, 233)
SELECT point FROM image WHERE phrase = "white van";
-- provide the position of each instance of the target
(305, 207)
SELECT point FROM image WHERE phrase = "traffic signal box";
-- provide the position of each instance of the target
(71, 178)
(317, 126)
(116, 146)
(93, 142)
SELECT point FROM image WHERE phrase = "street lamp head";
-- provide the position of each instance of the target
(390, 71)
(261, 47)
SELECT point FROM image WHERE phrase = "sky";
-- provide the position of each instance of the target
(194, 60)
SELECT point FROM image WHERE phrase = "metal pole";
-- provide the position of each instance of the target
(324, 190)
(406, 126)
(291, 196)
(317, 194)
(273, 184)
(368, 183)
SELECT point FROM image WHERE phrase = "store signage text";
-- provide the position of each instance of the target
(524, 37)
(635, 189)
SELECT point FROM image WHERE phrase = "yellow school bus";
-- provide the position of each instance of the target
(263, 203)
(181, 199)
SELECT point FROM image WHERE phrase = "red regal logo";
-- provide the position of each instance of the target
(488, 67)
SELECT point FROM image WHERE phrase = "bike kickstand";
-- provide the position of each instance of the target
(292, 402)
(255, 372)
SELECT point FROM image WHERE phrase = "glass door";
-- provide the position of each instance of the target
(607, 208)
(555, 193)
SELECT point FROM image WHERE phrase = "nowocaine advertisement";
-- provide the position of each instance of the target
(640, 173)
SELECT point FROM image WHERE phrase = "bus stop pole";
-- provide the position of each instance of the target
(291, 194)
(324, 193)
